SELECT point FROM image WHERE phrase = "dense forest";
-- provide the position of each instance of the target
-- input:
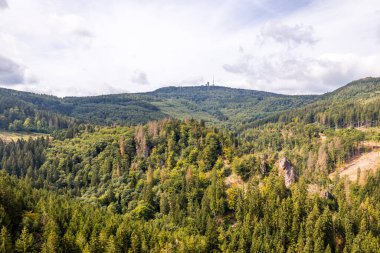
(18, 115)
(166, 186)
(213, 104)
(186, 185)
(354, 105)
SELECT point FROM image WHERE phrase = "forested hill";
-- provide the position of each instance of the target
(185, 186)
(365, 88)
(222, 105)
(213, 104)
(353, 105)
(105, 110)
(23, 111)
(180, 186)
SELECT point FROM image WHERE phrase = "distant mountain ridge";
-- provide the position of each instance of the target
(213, 104)
(221, 105)
(229, 107)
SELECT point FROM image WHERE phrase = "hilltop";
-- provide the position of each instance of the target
(213, 104)
(354, 104)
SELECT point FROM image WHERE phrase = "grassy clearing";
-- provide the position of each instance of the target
(8, 136)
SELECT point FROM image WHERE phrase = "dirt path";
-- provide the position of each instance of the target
(366, 162)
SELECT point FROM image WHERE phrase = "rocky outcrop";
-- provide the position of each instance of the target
(286, 169)
(264, 168)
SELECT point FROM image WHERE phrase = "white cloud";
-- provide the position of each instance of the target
(289, 46)
(139, 77)
(69, 32)
(293, 74)
(318, 55)
(3, 4)
(102, 89)
(194, 81)
(291, 35)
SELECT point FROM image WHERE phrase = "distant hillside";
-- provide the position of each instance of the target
(213, 104)
(353, 105)
(23, 111)
(181, 185)
(222, 105)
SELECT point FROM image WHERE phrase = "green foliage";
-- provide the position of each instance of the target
(181, 186)
(25, 243)
(217, 105)
(20, 111)
(354, 105)
(5, 241)
(112, 189)
(245, 166)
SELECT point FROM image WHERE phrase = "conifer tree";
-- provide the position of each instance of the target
(5, 241)
(25, 243)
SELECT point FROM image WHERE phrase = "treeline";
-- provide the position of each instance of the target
(24, 111)
(217, 105)
(17, 115)
(337, 115)
(354, 105)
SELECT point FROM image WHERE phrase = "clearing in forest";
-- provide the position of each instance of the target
(8, 136)
(234, 180)
(366, 162)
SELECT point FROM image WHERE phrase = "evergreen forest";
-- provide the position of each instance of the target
(196, 169)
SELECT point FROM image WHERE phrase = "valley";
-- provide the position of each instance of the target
(196, 169)
(229, 126)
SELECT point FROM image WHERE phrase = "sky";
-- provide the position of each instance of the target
(82, 47)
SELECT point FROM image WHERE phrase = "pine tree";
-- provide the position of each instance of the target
(51, 245)
(5, 241)
(25, 243)
(111, 245)
(328, 249)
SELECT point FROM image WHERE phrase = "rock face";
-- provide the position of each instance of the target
(264, 165)
(264, 168)
(286, 169)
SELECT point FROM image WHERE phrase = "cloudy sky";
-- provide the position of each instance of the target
(82, 47)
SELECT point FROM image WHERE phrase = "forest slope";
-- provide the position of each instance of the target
(213, 104)
(164, 187)
(360, 166)
(363, 163)
(176, 185)
(353, 105)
